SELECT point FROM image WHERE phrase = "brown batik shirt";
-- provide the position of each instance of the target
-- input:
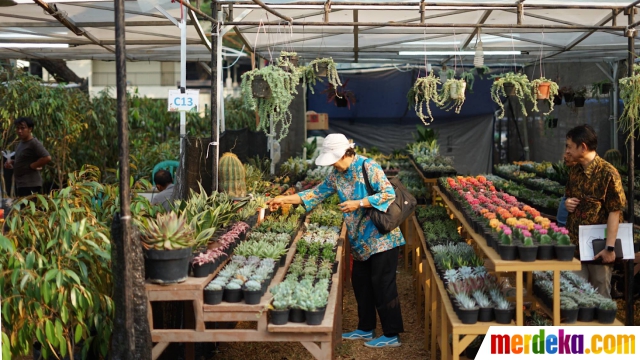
(600, 192)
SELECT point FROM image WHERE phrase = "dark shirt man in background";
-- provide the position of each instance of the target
(594, 196)
(30, 157)
(164, 183)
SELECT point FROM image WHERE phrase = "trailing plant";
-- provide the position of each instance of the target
(630, 95)
(522, 90)
(311, 71)
(553, 91)
(276, 107)
(452, 94)
(424, 90)
(339, 92)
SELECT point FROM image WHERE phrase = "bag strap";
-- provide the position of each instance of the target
(366, 178)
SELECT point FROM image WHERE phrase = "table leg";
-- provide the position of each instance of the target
(556, 297)
(519, 299)
(427, 304)
(444, 333)
(434, 315)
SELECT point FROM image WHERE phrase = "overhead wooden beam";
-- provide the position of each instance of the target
(327, 10)
(274, 12)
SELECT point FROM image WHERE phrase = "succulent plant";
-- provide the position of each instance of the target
(608, 304)
(221, 280)
(233, 286)
(482, 299)
(566, 303)
(324, 273)
(563, 240)
(451, 275)
(252, 285)
(166, 232)
(237, 281)
(545, 239)
(214, 286)
(503, 304)
(466, 302)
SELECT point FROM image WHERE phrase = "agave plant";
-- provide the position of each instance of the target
(166, 232)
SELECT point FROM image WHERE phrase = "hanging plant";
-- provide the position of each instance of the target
(511, 84)
(423, 91)
(452, 95)
(469, 77)
(318, 68)
(339, 95)
(543, 89)
(630, 95)
(282, 86)
(288, 61)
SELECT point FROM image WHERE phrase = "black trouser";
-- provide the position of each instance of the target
(374, 285)
(26, 191)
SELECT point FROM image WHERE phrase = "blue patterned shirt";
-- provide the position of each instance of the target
(364, 237)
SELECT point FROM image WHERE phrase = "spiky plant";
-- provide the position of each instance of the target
(608, 304)
(466, 302)
(166, 232)
(503, 304)
(482, 299)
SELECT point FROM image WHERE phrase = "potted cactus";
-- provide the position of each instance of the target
(232, 175)
(506, 248)
(528, 251)
(568, 310)
(233, 291)
(252, 292)
(167, 241)
(564, 248)
(607, 309)
(545, 246)
(214, 290)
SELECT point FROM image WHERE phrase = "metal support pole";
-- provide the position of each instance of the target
(214, 97)
(614, 103)
(183, 80)
(630, 208)
(355, 36)
(125, 196)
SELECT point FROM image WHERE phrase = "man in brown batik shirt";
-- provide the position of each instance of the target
(594, 196)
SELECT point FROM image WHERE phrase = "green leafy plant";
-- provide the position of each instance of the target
(166, 232)
(608, 304)
(423, 91)
(553, 91)
(312, 72)
(452, 94)
(522, 89)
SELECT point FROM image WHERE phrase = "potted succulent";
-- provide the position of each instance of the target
(167, 241)
(324, 67)
(452, 95)
(288, 61)
(586, 306)
(503, 310)
(564, 248)
(485, 313)
(506, 248)
(252, 292)
(282, 299)
(339, 95)
(511, 84)
(580, 97)
(468, 309)
(567, 93)
(568, 310)
(233, 291)
(545, 246)
(543, 89)
(314, 306)
(213, 291)
(607, 309)
(423, 91)
(528, 251)
(203, 264)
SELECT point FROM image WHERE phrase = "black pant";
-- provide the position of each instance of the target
(374, 285)
(26, 191)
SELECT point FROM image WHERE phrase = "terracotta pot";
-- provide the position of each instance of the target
(543, 90)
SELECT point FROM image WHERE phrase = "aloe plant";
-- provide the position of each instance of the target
(166, 232)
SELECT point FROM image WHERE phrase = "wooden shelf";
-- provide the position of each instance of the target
(548, 311)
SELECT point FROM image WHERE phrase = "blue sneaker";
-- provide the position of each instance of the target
(383, 341)
(358, 335)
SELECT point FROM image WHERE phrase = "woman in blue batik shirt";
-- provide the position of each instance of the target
(375, 255)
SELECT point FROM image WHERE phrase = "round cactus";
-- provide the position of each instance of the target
(613, 157)
(232, 175)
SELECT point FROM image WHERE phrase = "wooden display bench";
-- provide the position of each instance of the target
(430, 183)
(319, 340)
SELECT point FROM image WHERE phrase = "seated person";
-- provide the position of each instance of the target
(164, 184)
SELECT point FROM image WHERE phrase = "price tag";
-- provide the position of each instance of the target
(184, 102)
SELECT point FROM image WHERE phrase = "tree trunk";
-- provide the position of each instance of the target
(61, 72)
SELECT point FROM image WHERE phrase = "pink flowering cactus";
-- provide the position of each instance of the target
(542, 232)
(526, 233)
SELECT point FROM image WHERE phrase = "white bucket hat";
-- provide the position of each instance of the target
(333, 149)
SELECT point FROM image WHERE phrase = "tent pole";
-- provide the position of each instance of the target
(614, 103)
(630, 206)
(214, 96)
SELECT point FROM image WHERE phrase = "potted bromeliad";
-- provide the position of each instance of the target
(423, 91)
(167, 241)
(511, 84)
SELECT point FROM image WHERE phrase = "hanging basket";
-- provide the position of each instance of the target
(322, 70)
(606, 88)
(292, 59)
(543, 90)
(579, 101)
(260, 87)
(454, 89)
(341, 102)
(509, 89)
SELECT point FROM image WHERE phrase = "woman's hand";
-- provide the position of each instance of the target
(275, 203)
(349, 206)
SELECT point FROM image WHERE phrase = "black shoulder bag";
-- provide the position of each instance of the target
(401, 208)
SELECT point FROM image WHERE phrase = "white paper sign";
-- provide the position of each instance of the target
(184, 102)
(588, 233)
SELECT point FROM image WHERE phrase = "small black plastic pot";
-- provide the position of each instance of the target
(335, 267)
(586, 314)
(568, 97)
(507, 252)
(568, 316)
(279, 317)
(527, 253)
(468, 316)
(545, 252)
(557, 100)
(314, 317)
(509, 89)
(213, 297)
(579, 101)
(471, 352)
(606, 316)
(252, 297)
(203, 270)
(503, 316)
(564, 252)
(489, 240)
(296, 315)
(283, 260)
(485, 314)
(232, 295)
(260, 87)
(167, 266)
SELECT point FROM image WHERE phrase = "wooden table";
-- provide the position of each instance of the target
(327, 334)
(493, 262)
